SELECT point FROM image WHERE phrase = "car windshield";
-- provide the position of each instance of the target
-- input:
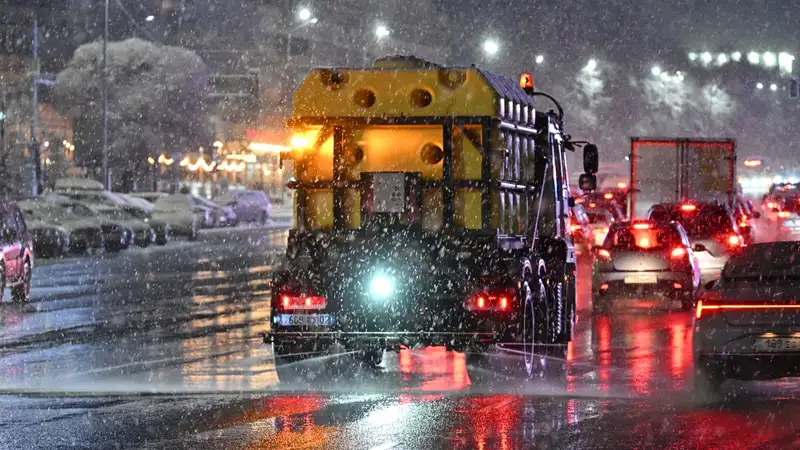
(642, 237)
(702, 221)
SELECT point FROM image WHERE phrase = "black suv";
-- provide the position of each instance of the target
(16, 251)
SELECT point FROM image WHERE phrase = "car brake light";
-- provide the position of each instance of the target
(641, 226)
(490, 301)
(734, 240)
(608, 196)
(783, 214)
(688, 207)
(770, 205)
(678, 253)
(621, 185)
(306, 302)
(643, 243)
(574, 228)
(592, 205)
(604, 254)
(704, 309)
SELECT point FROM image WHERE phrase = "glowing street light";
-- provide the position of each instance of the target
(773, 87)
(769, 59)
(736, 56)
(722, 58)
(692, 56)
(591, 65)
(490, 47)
(753, 58)
(656, 71)
(706, 57)
(150, 18)
(539, 59)
(304, 14)
(381, 31)
(760, 86)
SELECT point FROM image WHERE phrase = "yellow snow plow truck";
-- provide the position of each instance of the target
(432, 208)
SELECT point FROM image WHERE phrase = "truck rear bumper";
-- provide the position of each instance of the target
(408, 338)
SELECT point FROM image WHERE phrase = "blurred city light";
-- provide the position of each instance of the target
(491, 47)
(706, 57)
(769, 59)
(736, 56)
(539, 59)
(785, 62)
(722, 58)
(656, 71)
(692, 56)
(381, 31)
(591, 65)
(304, 14)
(760, 86)
(150, 18)
(753, 58)
(773, 87)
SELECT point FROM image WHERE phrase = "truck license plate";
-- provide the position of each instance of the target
(771, 345)
(306, 320)
(641, 279)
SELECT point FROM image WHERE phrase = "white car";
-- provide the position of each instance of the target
(249, 206)
(600, 221)
(747, 323)
(182, 213)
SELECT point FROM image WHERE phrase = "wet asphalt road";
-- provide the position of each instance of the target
(159, 348)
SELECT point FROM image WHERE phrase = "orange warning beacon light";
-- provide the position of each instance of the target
(526, 83)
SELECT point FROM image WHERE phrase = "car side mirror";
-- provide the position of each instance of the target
(587, 182)
(756, 215)
(699, 248)
(710, 285)
(591, 159)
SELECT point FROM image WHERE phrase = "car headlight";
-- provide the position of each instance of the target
(381, 286)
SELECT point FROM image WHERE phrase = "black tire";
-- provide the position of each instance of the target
(21, 291)
(687, 302)
(600, 303)
(707, 379)
(193, 235)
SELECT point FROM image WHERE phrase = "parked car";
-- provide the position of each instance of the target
(85, 235)
(16, 253)
(184, 216)
(116, 236)
(138, 203)
(78, 184)
(249, 206)
(149, 196)
(221, 215)
(143, 232)
(49, 240)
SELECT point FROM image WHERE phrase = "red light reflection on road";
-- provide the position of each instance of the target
(641, 361)
(680, 348)
(442, 370)
(492, 421)
(603, 326)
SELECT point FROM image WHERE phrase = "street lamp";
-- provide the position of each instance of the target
(490, 47)
(150, 18)
(381, 31)
(753, 58)
(539, 59)
(773, 87)
(759, 85)
(656, 71)
(304, 14)
(769, 59)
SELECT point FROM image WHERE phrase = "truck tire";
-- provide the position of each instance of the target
(570, 308)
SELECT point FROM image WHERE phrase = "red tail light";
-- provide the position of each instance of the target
(490, 301)
(575, 228)
(783, 214)
(770, 205)
(303, 302)
(704, 310)
(678, 253)
(604, 254)
(641, 226)
(734, 240)
(688, 207)
(621, 185)
(608, 196)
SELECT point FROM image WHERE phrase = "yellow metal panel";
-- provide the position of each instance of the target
(467, 206)
(467, 159)
(397, 149)
(319, 209)
(393, 93)
(314, 165)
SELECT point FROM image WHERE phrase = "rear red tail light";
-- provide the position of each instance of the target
(608, 196)
(688, 207)
(622, 185)
(734, 240)
(574, 228)
(706, 309)
(678, 253)
(641, 226)
(303, 302)
(490, 301)
(783, 214)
